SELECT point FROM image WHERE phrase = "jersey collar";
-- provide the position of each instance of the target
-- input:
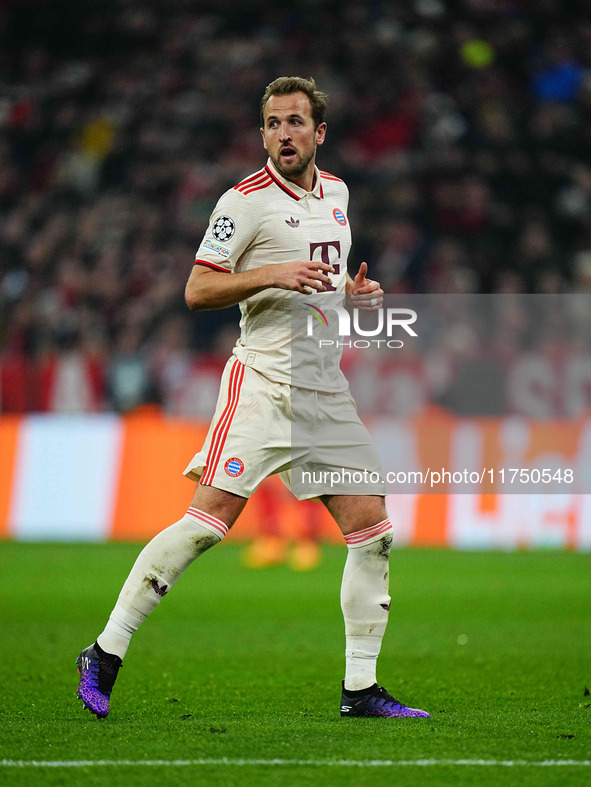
(294, 191)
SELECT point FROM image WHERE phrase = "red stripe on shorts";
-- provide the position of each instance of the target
(221, 430)
(220, 424)
(228, 421)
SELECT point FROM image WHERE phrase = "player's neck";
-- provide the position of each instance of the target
(307, 181)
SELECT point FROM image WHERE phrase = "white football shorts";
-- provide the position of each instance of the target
(315, 441)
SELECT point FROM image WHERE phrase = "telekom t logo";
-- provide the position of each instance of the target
(325, 257)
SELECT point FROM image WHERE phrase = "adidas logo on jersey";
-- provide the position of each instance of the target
(292, 222)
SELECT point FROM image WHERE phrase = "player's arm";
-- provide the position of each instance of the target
(209, 289)
(364, 293)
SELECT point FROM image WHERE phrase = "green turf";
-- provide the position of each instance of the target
(242, 665)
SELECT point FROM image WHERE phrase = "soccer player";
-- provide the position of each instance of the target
(280, 234)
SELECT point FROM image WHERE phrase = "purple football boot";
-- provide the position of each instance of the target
(97, 671)
(375, 701)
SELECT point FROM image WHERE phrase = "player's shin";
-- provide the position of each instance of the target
(365, 602)
(156, 570)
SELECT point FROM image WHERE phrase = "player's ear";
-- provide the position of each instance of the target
(320, 133)
(263, 136)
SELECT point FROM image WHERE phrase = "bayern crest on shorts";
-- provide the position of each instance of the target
(234, 467)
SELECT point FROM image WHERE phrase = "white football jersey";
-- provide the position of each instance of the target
(264, 220)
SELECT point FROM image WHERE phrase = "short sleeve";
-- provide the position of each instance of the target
(232, 227)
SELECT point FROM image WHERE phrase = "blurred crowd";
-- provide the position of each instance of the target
(463, 130)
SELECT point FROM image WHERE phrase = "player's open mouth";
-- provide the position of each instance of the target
(287, 153)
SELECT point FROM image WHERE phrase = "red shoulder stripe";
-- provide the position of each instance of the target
(259, 186)
(249, 178)
(211, 265)
(329, 176)
(251, 183)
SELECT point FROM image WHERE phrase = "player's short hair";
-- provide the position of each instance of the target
(285, 86)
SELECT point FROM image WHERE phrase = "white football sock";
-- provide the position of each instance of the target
(365, 602)
(155, 571)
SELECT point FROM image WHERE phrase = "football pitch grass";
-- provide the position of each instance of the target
(235, 679)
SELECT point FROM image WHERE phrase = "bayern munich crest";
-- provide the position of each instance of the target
(223, 228)
(340, 217)
(234, 467)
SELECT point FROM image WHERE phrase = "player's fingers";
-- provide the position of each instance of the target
(367, 296)
(321, 266)
(369, 307)
(369, 291)
(316, 285)
(319, 276)
(361, 272)
(369, 301)
(365, 292)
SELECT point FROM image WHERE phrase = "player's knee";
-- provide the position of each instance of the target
(367, 518)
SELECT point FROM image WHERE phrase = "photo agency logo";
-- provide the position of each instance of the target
(389, 320)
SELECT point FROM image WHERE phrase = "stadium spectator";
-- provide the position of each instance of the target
(116, 137)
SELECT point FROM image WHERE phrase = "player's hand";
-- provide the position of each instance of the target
(303, 276)
(366, 293)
